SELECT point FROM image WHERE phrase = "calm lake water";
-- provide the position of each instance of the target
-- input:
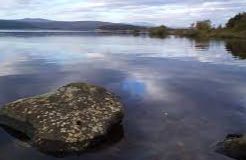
(181, 96)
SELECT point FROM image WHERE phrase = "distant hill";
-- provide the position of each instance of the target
(145, 24)
(119, 27)
(33, 20)
(44, 24)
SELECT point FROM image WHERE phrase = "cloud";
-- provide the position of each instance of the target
(177, 13)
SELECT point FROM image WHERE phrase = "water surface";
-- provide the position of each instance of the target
(180, 95)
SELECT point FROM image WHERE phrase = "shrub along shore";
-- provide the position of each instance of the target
(234, 28)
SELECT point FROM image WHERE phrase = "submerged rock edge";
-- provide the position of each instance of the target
(234, 146)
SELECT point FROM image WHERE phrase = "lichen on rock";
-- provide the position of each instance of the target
(74, 118)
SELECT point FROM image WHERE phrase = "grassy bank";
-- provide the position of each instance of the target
(214, 33)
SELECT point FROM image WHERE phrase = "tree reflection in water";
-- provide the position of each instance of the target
(237, 48)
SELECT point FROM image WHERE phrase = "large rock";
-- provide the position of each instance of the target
(74, 118)
(233, 146)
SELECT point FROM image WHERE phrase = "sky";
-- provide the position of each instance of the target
(173, 13)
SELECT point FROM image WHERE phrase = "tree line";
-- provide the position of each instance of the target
(234, 28)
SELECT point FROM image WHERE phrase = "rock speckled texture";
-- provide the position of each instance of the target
(74, 118)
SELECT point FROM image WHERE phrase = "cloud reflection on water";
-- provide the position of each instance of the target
(203, 100)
